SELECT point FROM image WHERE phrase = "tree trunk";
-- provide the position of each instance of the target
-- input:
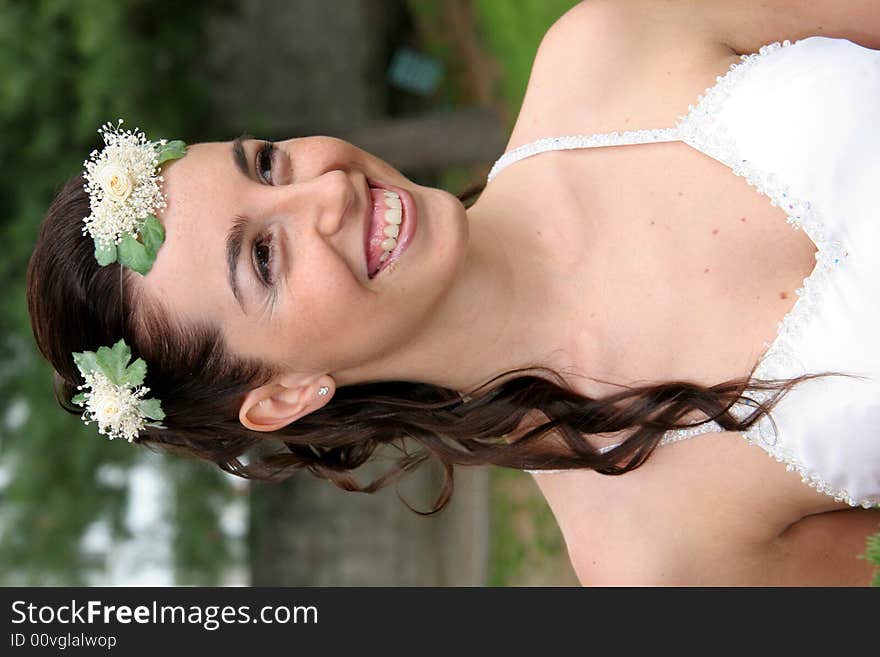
(310, 533)
(430, 142)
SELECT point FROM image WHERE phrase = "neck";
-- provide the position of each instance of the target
(506, 309)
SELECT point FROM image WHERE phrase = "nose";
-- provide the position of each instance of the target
(324, 200)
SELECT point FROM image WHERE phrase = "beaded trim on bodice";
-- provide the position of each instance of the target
(700, 129)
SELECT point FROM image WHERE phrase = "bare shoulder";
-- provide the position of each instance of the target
(610, 65)
(605, 58)
(630, 22)
(742, 25)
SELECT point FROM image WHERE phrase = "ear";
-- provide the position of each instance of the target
(275, 405)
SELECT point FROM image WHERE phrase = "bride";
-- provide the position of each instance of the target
(653, 283)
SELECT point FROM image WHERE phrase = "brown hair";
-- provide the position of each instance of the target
(76, 305)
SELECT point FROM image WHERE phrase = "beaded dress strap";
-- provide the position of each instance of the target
(571, 142)
(601, 450)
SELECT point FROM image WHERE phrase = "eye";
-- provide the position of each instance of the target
(263, 163)
(263, 255)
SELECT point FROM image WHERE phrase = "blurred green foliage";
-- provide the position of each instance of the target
(872, 554)
(66, 67)
(512, 32)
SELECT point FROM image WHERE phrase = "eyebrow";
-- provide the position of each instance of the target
(234, 239)
(238, 154)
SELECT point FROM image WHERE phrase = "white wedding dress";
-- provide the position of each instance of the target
(800, 122)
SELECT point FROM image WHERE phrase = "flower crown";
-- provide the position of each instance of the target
(122, 181)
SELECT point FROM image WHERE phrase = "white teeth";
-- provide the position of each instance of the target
(393, 219)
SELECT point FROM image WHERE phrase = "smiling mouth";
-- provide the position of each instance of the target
(385, 225)
(390, 226)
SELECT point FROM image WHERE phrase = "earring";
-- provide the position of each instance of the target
(323, 390)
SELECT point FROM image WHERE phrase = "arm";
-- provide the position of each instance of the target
(819, 550)
(745, 25)
(824, 547)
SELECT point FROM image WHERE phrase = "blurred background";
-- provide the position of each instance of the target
(432, 86)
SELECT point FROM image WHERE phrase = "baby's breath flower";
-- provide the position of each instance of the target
(122, 182)
(115, 408)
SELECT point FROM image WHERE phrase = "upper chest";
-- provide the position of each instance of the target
(682, 268)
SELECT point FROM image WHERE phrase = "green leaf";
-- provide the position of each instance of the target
(152, 235)
(85, 361)
(121, 352)
(152, 408)
(134, 255)
(134, 375)
(173, 150)
(113, 361)
(105, 256)
(79, 399)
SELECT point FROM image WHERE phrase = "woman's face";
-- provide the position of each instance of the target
(303, 298)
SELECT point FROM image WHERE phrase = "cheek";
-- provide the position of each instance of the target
(321, 289)
(318, 309)
(332, 309)
(347, 326)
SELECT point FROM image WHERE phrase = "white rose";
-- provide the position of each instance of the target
(115, 181)
(109, 412)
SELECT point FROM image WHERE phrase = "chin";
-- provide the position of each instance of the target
(439, 245)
